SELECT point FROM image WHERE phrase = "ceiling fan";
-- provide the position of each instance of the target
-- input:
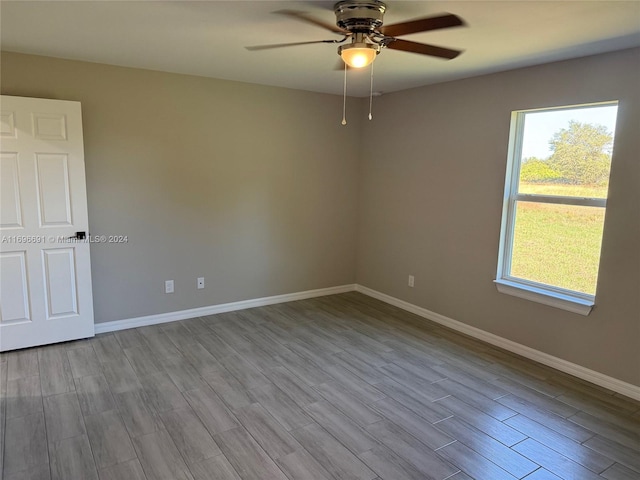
(361, 22)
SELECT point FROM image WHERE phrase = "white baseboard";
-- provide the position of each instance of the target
(624, 388)
(213, 309)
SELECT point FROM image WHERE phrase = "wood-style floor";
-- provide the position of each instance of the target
(339, 387)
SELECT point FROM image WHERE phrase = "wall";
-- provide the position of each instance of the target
(256, 188)
(252, 187)
(431, 200)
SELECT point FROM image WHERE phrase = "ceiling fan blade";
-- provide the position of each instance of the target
(281, 45)
(421, 25)
(305, 17)
(423, 49)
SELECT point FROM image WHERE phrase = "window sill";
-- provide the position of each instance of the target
(570, 303)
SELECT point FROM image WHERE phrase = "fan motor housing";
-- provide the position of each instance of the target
(359, 15)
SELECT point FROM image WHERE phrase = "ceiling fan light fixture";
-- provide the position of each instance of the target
(358, 55)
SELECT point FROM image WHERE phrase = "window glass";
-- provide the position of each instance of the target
(555, 199)
(558, 245)
(567, 152)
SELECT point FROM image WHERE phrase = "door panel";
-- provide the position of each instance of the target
(49, 126)
(10, 202)
(45, 278)
(60, 281)
(15, 292)
(53, 189)
(7, 125)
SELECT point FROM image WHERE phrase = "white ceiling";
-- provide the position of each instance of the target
(207, 38)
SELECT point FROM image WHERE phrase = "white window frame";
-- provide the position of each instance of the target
(576, 302)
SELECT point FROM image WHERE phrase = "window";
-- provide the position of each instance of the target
(554, 204)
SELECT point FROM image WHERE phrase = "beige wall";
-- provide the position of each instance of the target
(252, 187)
(431, 200)
(260, 190)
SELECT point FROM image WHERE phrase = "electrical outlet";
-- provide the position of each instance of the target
(168, 286)
(200, 283)
(411, 280)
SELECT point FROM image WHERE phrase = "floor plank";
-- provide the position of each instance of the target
(246, 456)
(227, 387)
(299, 465)
(72, 458)
(106, 347)
(301, 393)
(281, 406)
(190, 436)
(131, 470)
(542, 474)
(561, 444)
(266, 430)
(161, 393)
(472, 463)
(412, 450)
(129, 338)
(418, 403)
(120, 375)
(83, 361)
(55, 371)
(412, 423)
(94, 394)
(506, 458)
(471, 397)
(160, 458)
(353, 408)
(137, 413)
(109, 439)
(331, 454)
(247, 374)
(41, 472)
(554, 461)
(390, 466)
(554, 422)
(349, 433)
(212, 412)
(26, 446)
(216, 468)
(626, 435)
(22, 364)
(23, 397)
(620, 472)
(63, 416)
(183, 374)
(142, 359)
(489, 425)
(628, 457)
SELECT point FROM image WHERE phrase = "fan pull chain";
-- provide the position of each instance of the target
(344, 99)
(371, 92)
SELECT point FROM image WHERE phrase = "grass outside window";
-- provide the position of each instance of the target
(558, 245)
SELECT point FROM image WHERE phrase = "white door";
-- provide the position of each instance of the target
(45, 279)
